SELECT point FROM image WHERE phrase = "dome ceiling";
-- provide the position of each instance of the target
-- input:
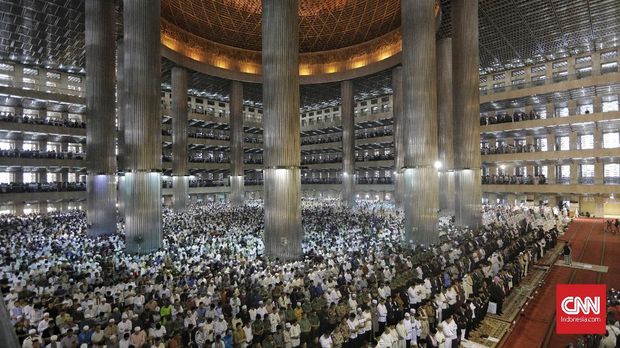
(324, 24)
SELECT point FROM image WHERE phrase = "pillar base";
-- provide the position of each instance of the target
(446, 193)
(180, 192)
(101, 204)
(421, 204)
(143, 231)
(18, 208)
(468, 198)
(237, 190)
(399, 188)
(283, 233)
(121, 197)
(348, 192)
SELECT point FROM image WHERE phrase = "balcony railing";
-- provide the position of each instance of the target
(514, 180)
(42, 187)
(540, 82)
(562, 181)
(612, 180)
(44, 88)
(586, 180)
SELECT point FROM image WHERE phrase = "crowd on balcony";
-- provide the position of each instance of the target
(321, 181)
(504, 117)
(199, 135)
(253, 160)
(506, 149)
(375, 157)
(374, 180)
(322, 159)
(15, 187)
(203, 135)
(41, 154)
(209, 159)
(514, 179)
(195, 183)
(329, 138)
(253, 182)
(19, 118)
(373, 133)
(253, 140)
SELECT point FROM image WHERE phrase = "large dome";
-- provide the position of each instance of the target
(324, 24)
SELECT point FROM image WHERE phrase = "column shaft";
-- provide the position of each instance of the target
(348, 142)
(121, 111)
(397, 111)
(419, 122)
(100, 102)
(445, 126)
(180, 179)
(142, 125)
(281, 127)
(465, 58)
(236, 144)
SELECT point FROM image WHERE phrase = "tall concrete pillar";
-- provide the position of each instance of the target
(64, 175)
(236, 144)
(551, 171)
(8, 337)
(18, 208)
(121, 110)
(446, 127)
(348, 142)
(18, 176)
(281, 127)
(180, 177)
(399, 139)
(465, 63)
(142, 61)
(421, 201)
(41, 175)
(43, 144)
(599, 172)
(100, 103)
(599, 206)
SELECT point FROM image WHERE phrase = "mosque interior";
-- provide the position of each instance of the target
(290, 173)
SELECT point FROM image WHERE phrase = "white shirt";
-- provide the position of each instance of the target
(381, 313)
(326, 342)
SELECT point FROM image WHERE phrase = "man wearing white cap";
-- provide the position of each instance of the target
(125, 326)
(44, 323)
(111, 329)
(33, 337)
(138, 337)
(53, 342)
(410, 332)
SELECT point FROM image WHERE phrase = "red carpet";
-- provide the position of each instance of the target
(590, 245)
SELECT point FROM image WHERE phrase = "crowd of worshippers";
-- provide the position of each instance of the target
(506, 148)
(356, 285)
(24, 118)
(514, 179)
(16, 153)
(504, 117)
